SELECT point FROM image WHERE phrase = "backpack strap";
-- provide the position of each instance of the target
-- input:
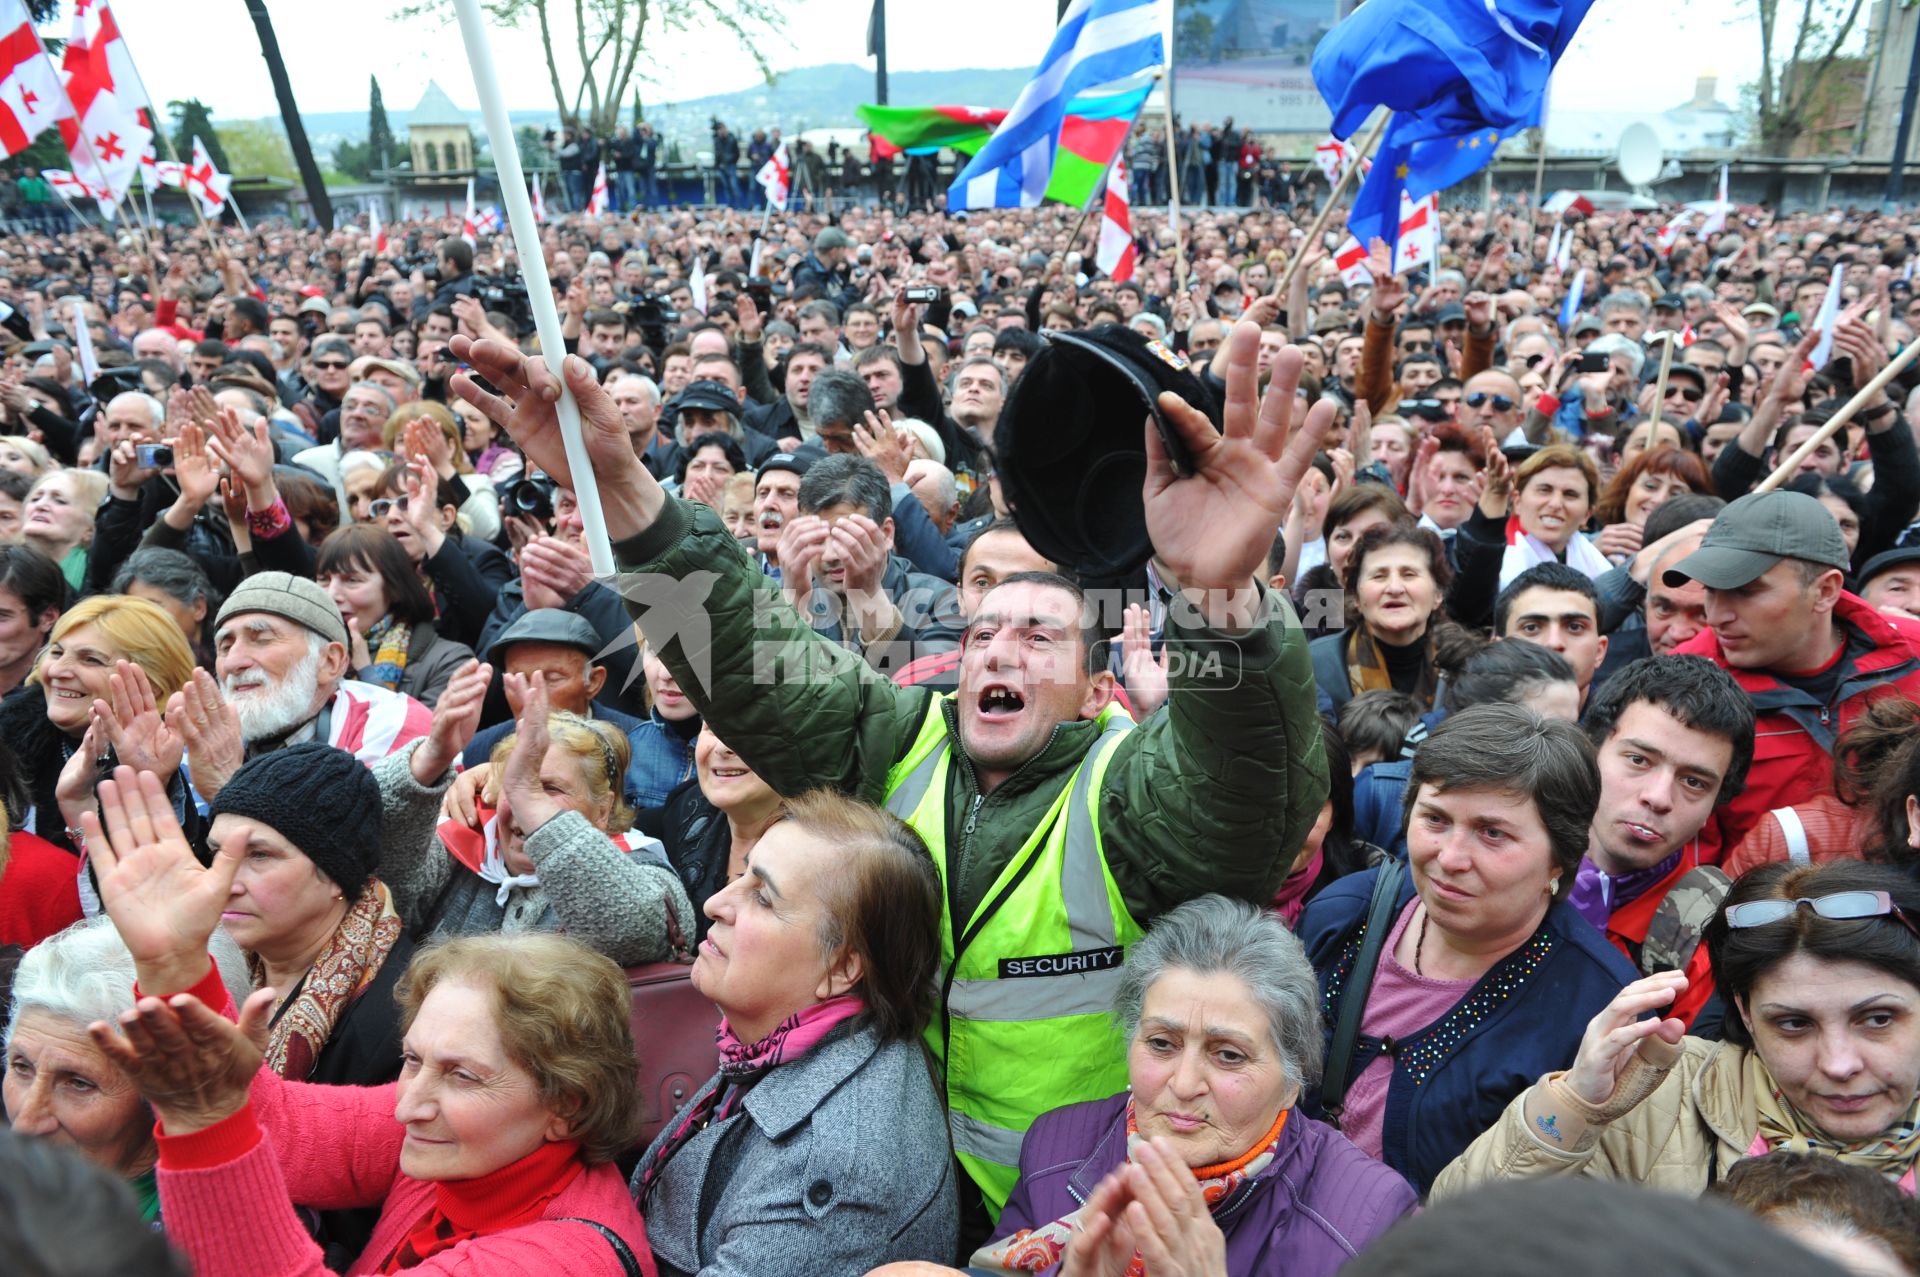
(1796, 833)
(628, 1264)
(1353, 1000)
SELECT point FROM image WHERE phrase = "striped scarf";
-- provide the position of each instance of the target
(1033, 1250)
(1894, 1152)
(388, 641)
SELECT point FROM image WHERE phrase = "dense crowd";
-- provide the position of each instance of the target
(1164, 776)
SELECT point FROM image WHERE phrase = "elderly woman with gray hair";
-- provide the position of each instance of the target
(62, 1088)
(1203, 1165)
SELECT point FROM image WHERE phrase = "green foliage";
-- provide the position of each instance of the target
(256, 149)
(354, 159)
(191, 119)
(381, 151)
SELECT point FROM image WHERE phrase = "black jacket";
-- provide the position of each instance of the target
(698, 841)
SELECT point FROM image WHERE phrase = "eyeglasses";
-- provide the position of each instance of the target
(1839, 906)
(1415, 347)
(1688, 393)
(379, 509)
(330, 365)
(1480, 397)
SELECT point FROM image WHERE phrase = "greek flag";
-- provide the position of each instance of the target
(1097, 42)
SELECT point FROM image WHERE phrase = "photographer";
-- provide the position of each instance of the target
(454, 259)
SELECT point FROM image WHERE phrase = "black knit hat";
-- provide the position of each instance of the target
(1069, 449)
(322, 800)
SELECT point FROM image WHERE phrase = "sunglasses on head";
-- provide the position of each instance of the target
(1839, 906)
(1480, 397)
(380, 509)
(1689, 393)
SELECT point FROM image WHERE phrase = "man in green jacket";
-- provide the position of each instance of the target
(1060, 830)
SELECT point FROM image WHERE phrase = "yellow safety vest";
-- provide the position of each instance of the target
(1028, 985)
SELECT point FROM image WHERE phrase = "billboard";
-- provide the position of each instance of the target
(1251, 59)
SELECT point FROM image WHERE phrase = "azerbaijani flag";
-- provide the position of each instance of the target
(1090, 136)
(921, 130)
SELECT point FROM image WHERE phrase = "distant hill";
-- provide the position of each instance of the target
(806, 98)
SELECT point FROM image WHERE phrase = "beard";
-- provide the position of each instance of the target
(267, 709)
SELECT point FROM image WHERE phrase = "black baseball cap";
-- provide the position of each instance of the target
(790, 462)
(709, 395)
(1756, 532)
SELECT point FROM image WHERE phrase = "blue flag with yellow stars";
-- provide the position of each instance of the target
(1459, 76)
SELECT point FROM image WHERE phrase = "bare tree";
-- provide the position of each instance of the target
(1794, 88)
(608, 38)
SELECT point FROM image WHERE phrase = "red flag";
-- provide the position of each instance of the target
(31, 97)
(1117, 250)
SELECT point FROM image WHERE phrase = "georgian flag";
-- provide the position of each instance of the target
(1117, 251)
(71, 185)
(489, 222)
(31, 97)
(1332, 156)
(106, 134)
(205, 182)
(597, 205)
(1415, 250)
(776, 177)
(539, 203)
(377, 232)
(469, 229)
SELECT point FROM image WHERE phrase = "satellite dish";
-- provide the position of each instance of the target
(1640, 155)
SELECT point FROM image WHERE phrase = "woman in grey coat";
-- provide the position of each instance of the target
(554, 851)
(820, 1148)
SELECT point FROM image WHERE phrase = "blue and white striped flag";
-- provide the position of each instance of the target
(1098, 42)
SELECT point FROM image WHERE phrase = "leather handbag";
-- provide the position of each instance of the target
(673, 1034)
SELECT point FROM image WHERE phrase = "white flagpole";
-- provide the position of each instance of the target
(533, 266)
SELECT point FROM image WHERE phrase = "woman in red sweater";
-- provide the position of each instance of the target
(492, 1156)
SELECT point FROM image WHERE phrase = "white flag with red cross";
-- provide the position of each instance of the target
(106, 135)
(377, 231)
(469, 224)
(205, 182)
(539, 203)
(31, 96)
(776, 175)
(597, 205)
(1117, 250)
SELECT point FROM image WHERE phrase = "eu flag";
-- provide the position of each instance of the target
(1459, 75)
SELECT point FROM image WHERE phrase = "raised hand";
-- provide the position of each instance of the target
(521, 789)
(423, 438)
(247, 453)
(1617, 1035)
(200, 715)
(553, 572)
(1143, 672)
(1103, 1245)
(193, 1065)
(131, 721)
(526, 409)
(802, 540)
(358, 653)
(881, 444)
(1168, 1216)
(862, 550)
(163, 902)
(747, 313)
(456, 717)
(1212, 529)
(197, 473)
(1389, 290)
(423, 510)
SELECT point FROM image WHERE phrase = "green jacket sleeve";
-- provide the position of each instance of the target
(803, 712)
(1218, 791)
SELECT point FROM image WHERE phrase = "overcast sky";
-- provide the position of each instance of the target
(1628, 51)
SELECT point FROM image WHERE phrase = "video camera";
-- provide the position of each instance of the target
(529, 495)
(506, 295)
(653, 314)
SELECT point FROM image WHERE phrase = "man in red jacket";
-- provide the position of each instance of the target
(1810, 654)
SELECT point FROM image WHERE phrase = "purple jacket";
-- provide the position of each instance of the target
(1315, 1207)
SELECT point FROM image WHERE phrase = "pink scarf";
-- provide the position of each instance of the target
(744, 1063)
(1291, 900)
